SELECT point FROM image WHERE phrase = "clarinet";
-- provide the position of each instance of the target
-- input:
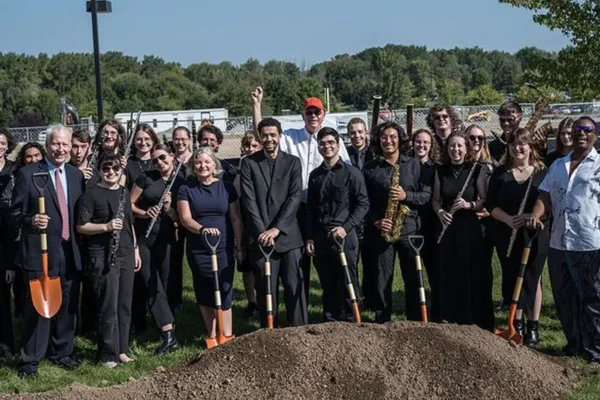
(194, 139)
(513, 235)
(93, 159)
(458, 196)
(162, 198)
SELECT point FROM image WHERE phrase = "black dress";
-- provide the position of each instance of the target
(506, 193)
(465, 281)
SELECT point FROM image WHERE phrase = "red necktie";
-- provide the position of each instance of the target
(62, 203)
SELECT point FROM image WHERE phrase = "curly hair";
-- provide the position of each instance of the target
(438, 108)
(10, 139)
(434, 151)
(525, 136)
(29, 145)
(404, 145)
(470, 157)
(211, 129)
(122, 135)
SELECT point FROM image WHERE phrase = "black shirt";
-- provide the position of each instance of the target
(229, 171)
(551, 157)
(378, 179)
(360, 157)
(336, 197)
(135, 168)
(153, 186)
(99, 205)
(497, 148)
(7, 183)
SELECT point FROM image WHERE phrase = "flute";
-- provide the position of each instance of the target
(513, 234)
(458, 196)
(162, 199)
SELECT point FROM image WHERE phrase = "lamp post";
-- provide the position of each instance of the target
(95, 7)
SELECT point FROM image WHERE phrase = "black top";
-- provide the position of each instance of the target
(153, 186)
(229, 171)
(99, 205)
(135, 168)
(506, 193)
(336, 197)
(360, 157)
(7, 183)
(551, 157)
(440, 141)
(425, 211)
(378, 179)
(497, 148)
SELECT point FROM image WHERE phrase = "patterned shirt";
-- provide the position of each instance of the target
(299, 143)
(575, 203)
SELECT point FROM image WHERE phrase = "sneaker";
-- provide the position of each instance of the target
(109, 364)
(251, 310)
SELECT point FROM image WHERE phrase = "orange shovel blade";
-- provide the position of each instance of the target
(46, 295)
(225, 339)
(509, 334)
(210, 343)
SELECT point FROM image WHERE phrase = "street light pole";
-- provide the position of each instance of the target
(94, 7)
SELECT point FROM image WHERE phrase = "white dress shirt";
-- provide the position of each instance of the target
(300, 143)
(575, 203)
(63, 177)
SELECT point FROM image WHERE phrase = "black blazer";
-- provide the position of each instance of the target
(25, 206)
(354, 154)
(272, 201)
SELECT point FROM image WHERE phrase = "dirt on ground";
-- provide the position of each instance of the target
(347, 361)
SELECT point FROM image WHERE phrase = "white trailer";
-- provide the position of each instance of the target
(165, 121)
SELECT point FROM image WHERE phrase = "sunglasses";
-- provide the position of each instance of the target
(586, 129)
(476, 137)
(311, 113)
(162, 157)
(107, 168)
(440, 117)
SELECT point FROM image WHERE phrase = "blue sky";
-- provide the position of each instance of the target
(188, 31)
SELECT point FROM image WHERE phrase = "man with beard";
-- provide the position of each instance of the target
(81, 142)
(65, 185)
(358, 151)
(440, 120)
(510, 115)
(337, 204)
(571, 193)
(271, 186)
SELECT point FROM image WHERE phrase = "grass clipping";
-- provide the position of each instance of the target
(341, 360)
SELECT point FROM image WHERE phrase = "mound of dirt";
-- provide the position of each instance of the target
(347, 361)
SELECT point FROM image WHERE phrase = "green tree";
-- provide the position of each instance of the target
(485, 94)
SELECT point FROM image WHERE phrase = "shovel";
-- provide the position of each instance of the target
(412, 241)
(221, 338)
(340, 243)
(268, 293)
(46, 292)
(511, 333)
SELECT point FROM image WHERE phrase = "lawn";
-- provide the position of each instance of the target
(190, 334)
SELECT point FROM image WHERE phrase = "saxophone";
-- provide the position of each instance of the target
(395, 211)
(538, 110)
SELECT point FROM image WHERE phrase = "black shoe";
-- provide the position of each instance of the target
(251, 310)
(5, 355)
(169, 343)
(533, 334)
(27, 374)
(503, 307)
(66, 363)
(519, 327)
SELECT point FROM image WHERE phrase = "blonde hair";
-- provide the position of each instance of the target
(205, 150)
(526, 136)
(484, 157)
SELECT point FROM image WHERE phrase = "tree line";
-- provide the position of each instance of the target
(31, 86)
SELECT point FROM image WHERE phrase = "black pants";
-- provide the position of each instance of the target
(381, 260)
(175, 282)
(332, 276)
(284, 266)
(155, 274)
(113, 293)
(88, 308)
(6, 326)
(566, 299)
(305, 258)
(36, 329)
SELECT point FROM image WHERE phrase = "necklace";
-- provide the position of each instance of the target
(522, 169)
(145, 163)
(457, 170)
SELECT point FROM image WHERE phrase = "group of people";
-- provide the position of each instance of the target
(118, 229)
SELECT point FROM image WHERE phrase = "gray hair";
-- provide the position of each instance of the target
(206, 150)
(56, 128)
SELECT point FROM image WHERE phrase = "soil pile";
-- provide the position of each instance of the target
(347, 361)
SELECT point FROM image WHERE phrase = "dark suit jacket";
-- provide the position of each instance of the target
(25, 206)
(272, 201)
(354, 155)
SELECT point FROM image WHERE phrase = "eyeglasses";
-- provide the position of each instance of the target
(162, 157)
(311, 113)
(440, 117)
(107, 168)
(476, 137)
(327, 143)
(586, 129)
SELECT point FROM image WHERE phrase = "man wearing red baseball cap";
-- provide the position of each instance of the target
(302, 143)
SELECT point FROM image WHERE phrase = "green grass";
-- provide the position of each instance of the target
(190, 333)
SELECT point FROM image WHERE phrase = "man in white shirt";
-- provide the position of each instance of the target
(571, 191)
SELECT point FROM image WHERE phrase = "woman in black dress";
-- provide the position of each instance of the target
(147, 192)
(564, 142)
(7, 241)
(112, 284)
(141, 161)
(209, 207)
(520, 168)
(465, 285)
(426, 149)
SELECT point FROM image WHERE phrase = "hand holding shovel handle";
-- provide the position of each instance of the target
(340, 243)
(412, 240)
(268, 292)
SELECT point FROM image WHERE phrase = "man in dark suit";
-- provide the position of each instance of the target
(359, 150)
(271, 186)
(65, 185)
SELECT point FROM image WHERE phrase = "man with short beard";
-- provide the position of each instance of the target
(65, 185)
(570, 194)
(271, 191)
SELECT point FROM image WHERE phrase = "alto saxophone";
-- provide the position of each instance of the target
(395, 211)
(538, 110)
